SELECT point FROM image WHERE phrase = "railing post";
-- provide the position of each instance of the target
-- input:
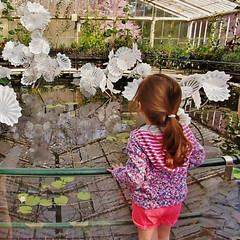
(228, 168)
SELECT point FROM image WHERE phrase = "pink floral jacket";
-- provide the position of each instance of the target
(151, 183)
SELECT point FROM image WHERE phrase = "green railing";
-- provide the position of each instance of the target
(229, 161)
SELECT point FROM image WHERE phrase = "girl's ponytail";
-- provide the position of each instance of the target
(160, 98)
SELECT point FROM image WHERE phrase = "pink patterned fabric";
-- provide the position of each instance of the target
(151, 183)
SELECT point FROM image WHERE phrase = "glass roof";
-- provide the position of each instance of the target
(194, 9)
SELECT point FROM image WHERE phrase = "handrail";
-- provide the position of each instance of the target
(99, 223)
(220, 161)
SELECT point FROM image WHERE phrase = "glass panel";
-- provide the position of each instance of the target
(148, 11)
(183, 31)
(139, 9)
(158, 29)
(160, 13)
(170, 29)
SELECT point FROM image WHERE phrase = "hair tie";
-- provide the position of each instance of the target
(172, 116)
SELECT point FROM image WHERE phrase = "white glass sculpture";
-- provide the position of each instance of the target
(215, 85)
(10, 110)
(35, 16)
(63, 61)
(131, 88)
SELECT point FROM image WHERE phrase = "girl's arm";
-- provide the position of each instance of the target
(132, 175)
(197, 155)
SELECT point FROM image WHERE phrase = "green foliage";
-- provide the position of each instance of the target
(4, 81)
(232, 56)
(236, 173)
(32, 200)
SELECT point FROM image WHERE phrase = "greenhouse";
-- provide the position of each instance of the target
(115, 111)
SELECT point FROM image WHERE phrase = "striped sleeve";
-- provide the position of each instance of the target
(197, 156)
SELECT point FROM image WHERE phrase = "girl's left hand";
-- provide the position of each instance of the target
(114, 167)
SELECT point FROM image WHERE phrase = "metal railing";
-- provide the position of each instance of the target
(228, 161)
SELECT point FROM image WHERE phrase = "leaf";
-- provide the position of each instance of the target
(50, 106)
(44, 187)
(32, 200)
(59, 105)
(62, 200)
(67, 179)
(236, 173)
(59, 87)
(84, 195)
(58, 184)
(45, 202)
(123, 136)
(111, 138)
(25, 209)
(71, 103)
(131, 122)
(4, 81)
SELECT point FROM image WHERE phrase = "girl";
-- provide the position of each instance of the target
(160, 154)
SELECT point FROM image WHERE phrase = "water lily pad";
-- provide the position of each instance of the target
(236, 173)
(44, 187)
(123, 135)
(25, 209)
(49, 106)
(62, 200)
(84, 195)
(58, 184)
(60, 105)
(111, 138)
(32, 200)
(67, 179)
(47, 86)
(71, 103)
(45, 202)
(59, 87)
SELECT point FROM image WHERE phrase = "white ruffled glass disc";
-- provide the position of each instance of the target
(126, 61)
(131, 89)
(16, 53)
(123, 51)
(215, 85)
(183, 117)
(35, 17)
(143, 69)
(10, 110)
(137, 52)
(30, 76)
(113, 68)
(87, 88)
(39, 45)
(5, 72)
(190, 85)
(49, 69)
(63, 61)
(216, 92)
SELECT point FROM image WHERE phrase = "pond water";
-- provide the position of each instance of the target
(60, 128)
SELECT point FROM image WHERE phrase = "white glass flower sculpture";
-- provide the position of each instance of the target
(131, 88)
(191, 84)
(5, 72)
(10, 110)
(35, 16)
(16, 53)
(215, 85)
(39, 45)
(91, 78)
(184, 117)
(63, 61)
(30, 76)
(143, 69)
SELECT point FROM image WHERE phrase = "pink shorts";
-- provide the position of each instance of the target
(151, 218)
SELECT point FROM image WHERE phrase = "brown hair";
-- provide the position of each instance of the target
(160, 96)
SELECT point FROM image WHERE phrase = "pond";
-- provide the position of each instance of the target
(60, 128)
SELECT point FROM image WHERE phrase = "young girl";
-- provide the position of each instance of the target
(160, 153)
